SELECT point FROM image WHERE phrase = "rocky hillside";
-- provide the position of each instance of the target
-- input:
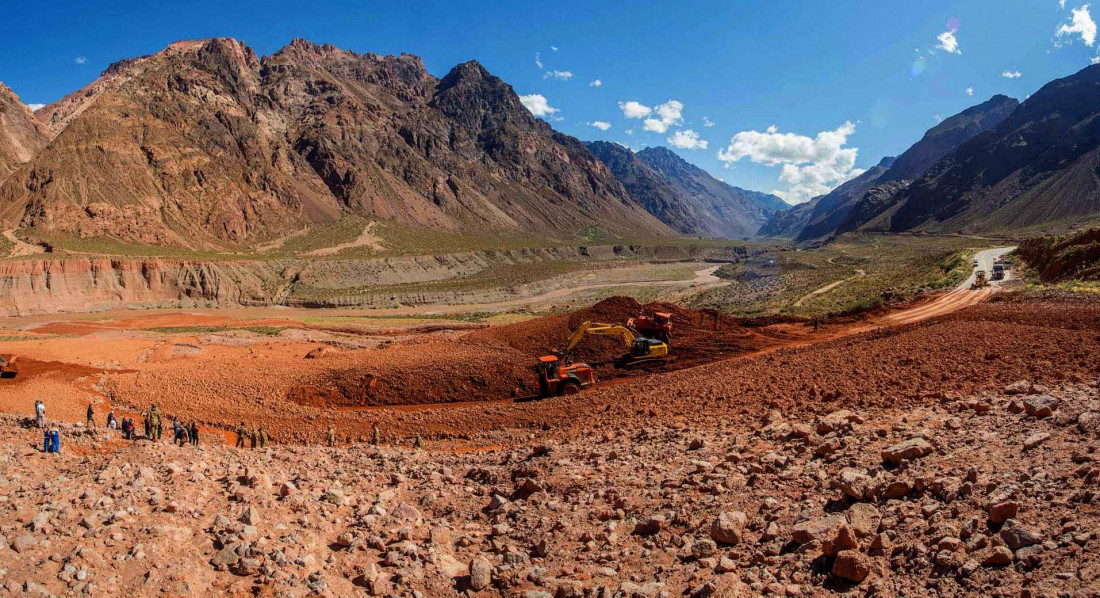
(685, 196)
(1068, 257)
(21, 136)
(821, 217)
(838, 211)
(1037, 168)
(204, 144)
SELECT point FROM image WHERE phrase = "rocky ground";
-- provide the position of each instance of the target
(950, 457)
(991, 494)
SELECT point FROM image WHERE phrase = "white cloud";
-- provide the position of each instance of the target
(560, 75)
(669, 114)
(1080, 24)
(80, 60)
(600, 124)
(1062, 4)
(1094, 60)
(634, 109)
(707, 122)
(937, 117)
(1012, 74)
(554, 48)
(34, 107)
(687, 139)
(538, 105)
(595, 83)
(810, 166)
(629, 131)
(538, 60)
(970, 91)
(948, 42)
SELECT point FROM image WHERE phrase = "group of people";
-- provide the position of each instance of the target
(257, 436)
(183, 434)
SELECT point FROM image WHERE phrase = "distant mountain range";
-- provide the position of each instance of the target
(205, 145)
(840, 210)
(684, 196)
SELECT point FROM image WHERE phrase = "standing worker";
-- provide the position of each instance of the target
(241, 433)
(40, 414)
(331, 436)
(252, 439)
(158, 428)
(91, 417)
(194, 434)
(263, 437)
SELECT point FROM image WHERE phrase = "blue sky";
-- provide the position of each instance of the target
(840, 83)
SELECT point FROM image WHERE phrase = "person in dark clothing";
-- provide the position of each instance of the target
(91, 416)
(815, 324)
(194, 433)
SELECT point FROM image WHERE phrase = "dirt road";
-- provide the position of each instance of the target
(959, 298)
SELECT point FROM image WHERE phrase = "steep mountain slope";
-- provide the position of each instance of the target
(653, 191)
(833, 207)
(729, 211)
(685, 196)
(1038, 167)
(21, 136)
(948, 135)
(206, 145)
(839, 211)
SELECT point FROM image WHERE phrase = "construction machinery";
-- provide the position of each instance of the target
(979, 280)
(6, 370)
(998, 272)
(658, 326)
(558, 378)
(640, 350)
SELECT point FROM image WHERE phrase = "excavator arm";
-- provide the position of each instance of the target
(599, 329)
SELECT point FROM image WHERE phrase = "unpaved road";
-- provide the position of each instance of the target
(828, 287)
(959, 298)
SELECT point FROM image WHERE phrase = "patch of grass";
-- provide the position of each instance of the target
(894, 267)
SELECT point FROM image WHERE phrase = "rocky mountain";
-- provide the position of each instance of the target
(838, 211)
(21, 135)
(1038, 168)
(685, 196)
(949, 134)
(204, 144)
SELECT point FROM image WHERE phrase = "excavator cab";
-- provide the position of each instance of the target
(6, 370)
(658, 326)
(557, 378)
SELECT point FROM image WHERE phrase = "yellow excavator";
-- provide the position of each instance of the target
(640, 350)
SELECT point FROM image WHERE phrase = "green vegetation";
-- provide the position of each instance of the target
(871, 270)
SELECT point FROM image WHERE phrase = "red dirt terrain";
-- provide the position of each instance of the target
(956, 456)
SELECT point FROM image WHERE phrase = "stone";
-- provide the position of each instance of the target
(1003, 511)
(728, 527)
(865, 519)
(1017, 536)
(852, 565)
(650, 527)
(481, 574)
(1035, 440)
(23, 543)
(1040, 406)
(1017, 388)
(1089, 423)
(250, 516)
(703, 549)
(855, 484)
(908, 450)
(998, 557)
(843, 538)
(820, 529)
